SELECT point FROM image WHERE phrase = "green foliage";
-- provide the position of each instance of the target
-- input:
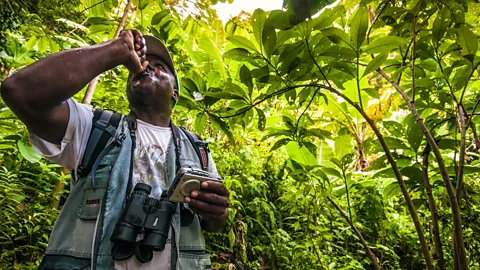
(257, 87)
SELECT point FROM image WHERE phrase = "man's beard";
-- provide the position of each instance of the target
(147, 91)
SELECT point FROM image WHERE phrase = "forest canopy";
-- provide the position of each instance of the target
(346, 131)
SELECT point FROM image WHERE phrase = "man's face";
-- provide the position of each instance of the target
(154, 85)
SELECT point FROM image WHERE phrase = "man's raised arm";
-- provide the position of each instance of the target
(37, 93)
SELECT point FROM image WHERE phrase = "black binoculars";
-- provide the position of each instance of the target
(142, 212)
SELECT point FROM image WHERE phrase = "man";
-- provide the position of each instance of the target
(40, 95)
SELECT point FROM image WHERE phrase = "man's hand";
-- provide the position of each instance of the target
(135, 50)
(211, 202)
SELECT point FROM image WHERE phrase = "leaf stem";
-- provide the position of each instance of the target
(304, 111)
(358, 83)
(316, 63)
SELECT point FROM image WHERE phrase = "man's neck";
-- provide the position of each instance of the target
(156, 118)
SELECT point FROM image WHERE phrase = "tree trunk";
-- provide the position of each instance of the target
(438, 255)
(398, 175)
(457, 219)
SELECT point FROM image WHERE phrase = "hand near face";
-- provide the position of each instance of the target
(211, 201)
(135, 50)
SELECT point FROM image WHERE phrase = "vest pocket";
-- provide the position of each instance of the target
(91, 201)
(194, 260)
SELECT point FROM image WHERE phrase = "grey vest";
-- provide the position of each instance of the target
(81, 235)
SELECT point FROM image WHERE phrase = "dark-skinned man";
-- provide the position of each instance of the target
(61, 130)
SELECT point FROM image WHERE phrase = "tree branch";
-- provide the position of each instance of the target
(463, 130)
(457, 220)
(404, 57)
(87, 99)
(472, 114)
(398, 175)
(370, 254)
(465, 87)
(375, 20)
(438, 254)
(279, 92)
(94, 5)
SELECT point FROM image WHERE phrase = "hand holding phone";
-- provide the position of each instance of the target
(188, 180)
(211, 202)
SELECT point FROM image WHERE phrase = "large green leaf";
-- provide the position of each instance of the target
(300, 154)
(235, 90)
(31, 42)
(440, 25)
(339, 52)
(28, 152)
(42, 44)
(467, 40)
(375, 63)
(359, 27)
(384, 44)
(238, 54)
(261, 119)
(327, 17)
(343, 145)
(200, 122)
(242, 42)
(246, 78)
(280, 143)
(414, 132)
(209, 47)
(337, 36)
(343, 67)
(221, 125)
(158, 17)
(269, 38)
(258, 22)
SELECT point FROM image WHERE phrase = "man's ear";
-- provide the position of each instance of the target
(175, 95)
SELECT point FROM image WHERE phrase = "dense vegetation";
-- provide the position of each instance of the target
(347, 135)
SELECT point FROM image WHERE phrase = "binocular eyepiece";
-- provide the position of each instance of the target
(142, 212)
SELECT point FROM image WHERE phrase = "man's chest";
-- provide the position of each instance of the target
(149, 164)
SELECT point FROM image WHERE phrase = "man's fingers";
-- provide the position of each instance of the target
(137, 36)
(215, 187)
(206, 207)
(144, 64)
(210, 198)
(205, 215)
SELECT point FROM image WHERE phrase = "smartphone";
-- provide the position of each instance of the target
(188, 180)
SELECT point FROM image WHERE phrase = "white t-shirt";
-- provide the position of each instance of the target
(148, 167)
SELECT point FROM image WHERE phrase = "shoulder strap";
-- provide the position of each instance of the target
(104, 127)
(200, 147)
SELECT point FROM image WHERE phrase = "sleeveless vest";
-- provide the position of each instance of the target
(81, 235)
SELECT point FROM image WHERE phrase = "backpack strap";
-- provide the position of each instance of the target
(200, 147)
(104, 127)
